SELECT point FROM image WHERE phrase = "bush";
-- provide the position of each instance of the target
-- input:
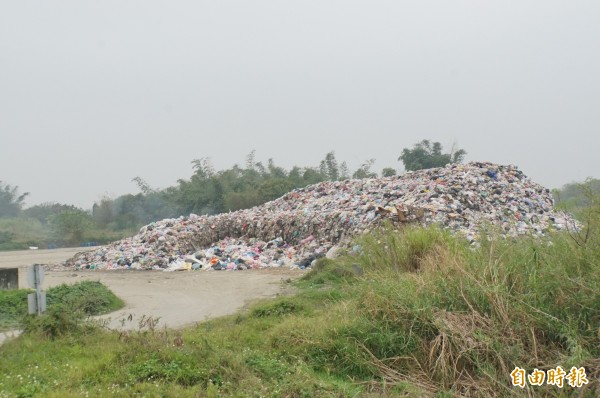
(67, 305)
(13, 307)
(58, 320)
(91, 297)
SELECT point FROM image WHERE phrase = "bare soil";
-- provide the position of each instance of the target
(22, 258)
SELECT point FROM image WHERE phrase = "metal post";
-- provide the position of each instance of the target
(37, 300)
(38, 288)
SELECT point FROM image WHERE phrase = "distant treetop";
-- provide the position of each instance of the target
(426, 155)
(11, 201)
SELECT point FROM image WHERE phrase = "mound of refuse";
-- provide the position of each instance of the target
(309, 222)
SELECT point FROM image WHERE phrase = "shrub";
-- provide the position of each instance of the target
(91, 297)
(58, 320)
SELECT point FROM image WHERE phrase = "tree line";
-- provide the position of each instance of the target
(207, 191)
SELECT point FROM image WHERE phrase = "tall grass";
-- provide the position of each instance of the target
(461, 319)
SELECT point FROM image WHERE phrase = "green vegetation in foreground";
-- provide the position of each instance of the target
(83, 298)
(418, 313)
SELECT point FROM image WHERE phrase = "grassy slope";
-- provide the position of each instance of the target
(417, 314)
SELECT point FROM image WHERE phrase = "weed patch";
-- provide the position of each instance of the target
(91, 297)
(278, 308)
(13, 306)
(67, 304)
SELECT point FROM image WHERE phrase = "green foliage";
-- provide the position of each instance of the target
(44, 211)
(329, 167)
(210, 191)
(11, 201)
(20, 233)
(67, 227)
(384, 250)
(344, 171)
(273, 189)
(266, 367)
(13, 307)
(388, 172)
(83, 299)
(91, 297)
(129, 212)
(102, 212)
(70, 226)
(416, 313)
(173, 371)
(6, 236)
(207, 191)
(278, 308)
(426, 155)
(364, 171)
(58, 320)
(574, 197)
(327, 271)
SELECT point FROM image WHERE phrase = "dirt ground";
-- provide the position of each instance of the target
(23, 258)
(176, 298)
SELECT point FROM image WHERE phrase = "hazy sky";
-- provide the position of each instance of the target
(94, 93)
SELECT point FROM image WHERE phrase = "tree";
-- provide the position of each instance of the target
(143, 185)
(364, 171)
(295, 176)
(312, 176)
(575, 196)
(44, 211)
(216, 197)
(329, 167)
(426, 155)
(388, 172)
(344, 171)
(273, 189)
(70, 226)
(11, 202)
(203, 168)
(103, 212)
(276, 171)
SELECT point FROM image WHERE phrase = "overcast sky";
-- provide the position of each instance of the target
(94, 93)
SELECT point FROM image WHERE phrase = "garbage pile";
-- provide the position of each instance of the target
(309, 222)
